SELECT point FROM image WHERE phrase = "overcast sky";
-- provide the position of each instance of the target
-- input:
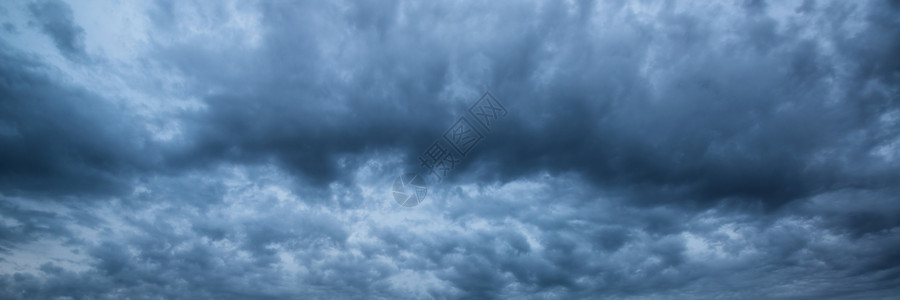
(650, 150)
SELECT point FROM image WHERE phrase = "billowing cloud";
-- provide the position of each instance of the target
(178, 150)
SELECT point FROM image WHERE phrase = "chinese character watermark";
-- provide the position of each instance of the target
(443, 155)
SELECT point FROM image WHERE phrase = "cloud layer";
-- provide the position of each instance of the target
(235, 150)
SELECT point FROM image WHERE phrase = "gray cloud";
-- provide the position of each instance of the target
(61, 139)
(738, 150)
(55, 19)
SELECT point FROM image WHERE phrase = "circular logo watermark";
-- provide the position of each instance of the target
(409, 189)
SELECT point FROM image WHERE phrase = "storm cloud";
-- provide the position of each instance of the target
(246, 150)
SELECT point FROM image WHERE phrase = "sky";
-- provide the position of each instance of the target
(740, 149)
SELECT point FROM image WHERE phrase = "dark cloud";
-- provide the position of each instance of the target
(60, 139)
(28, 225)
(9, 27)
(55, 19)
(738, 150)
(738, 123)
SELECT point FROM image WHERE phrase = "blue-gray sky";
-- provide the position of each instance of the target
(652, 149)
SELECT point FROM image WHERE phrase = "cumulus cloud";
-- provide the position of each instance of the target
(246, 150)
